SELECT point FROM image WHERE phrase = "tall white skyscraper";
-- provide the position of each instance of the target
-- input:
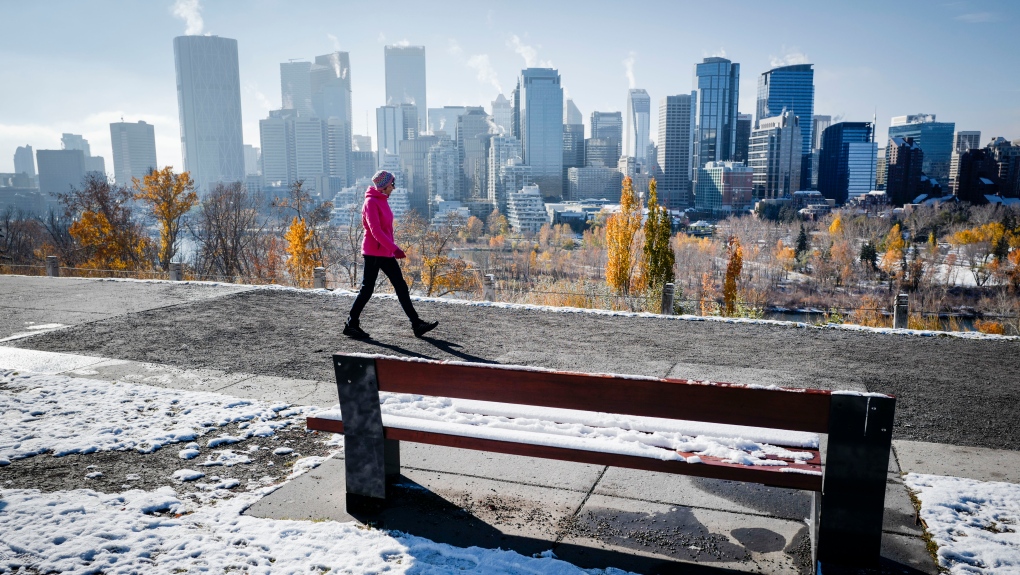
(405, 79)
(330, 82)
(134, 151)
(209, 101)
(252, 159)
(676, 130)
(636, 138)
(394, 124)
(541, 128)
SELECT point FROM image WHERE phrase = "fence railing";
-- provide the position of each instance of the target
(901, 314)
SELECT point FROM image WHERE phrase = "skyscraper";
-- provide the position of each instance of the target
(903, 170)
(745, 124)
(717, 83)
(724, 187)
(541, 126)
(676, 128)
(790, 88)
(77, 142)
(24, 161)
(473, 153)
(209, 102)
(393, 125)
(330, 84)
(775, 156)
(962, 142)
(405, 79)
(134, 150)
(934, 138)
(572, 115)
(636, 138)
(296, 87)
(605, 146)
(445, 120)
(60, 170)
(847, 161)
(252, 160)
(414, 163)
(502, 114)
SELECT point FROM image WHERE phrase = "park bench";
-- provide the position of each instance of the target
(848, 489)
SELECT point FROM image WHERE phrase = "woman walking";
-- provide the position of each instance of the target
(381, 253)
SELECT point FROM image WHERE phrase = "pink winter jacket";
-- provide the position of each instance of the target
(378, 221)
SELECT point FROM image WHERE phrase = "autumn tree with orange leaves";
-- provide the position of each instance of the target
(168, 196)
(620, 230)
(302, 254)
(104, 229)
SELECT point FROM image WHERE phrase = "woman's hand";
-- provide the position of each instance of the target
(399, 254)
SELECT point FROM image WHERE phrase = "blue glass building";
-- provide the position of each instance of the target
(934, 138)
(209, 101)
(847, 161)
(541, 128)
(790, 88)
(717, 83)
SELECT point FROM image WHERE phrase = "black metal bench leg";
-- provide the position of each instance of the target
(392, 450)
(364, 445)
(853, 487)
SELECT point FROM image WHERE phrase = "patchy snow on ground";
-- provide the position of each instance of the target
(62, 415)
(976, 524)
(136, 531)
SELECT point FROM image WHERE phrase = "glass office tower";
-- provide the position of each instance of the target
(790, 88)
(847, 160)
(636, 138)
(405, 79)
(934, 138)
(541, 125)
(209, 101)
(676, 120)
(134, 150)
(717, 83)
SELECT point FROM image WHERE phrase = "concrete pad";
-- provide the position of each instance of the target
(44, 361)
(700, 492)
(904, 554)
(647, 537)
(271, 388)
(443, 507)
(72, 301)
(900, 516)
(977, 463)
(157, 375)
(510, 468)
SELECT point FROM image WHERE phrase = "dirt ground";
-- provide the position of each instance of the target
(949, 389)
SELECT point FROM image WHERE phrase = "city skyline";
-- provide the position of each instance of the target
(472, 64)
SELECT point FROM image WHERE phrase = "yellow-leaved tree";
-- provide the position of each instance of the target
(733, 269)
(105, 231)
(302, 255)
(168, 196)
(620, 230)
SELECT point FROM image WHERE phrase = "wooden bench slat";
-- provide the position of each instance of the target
(796, 410)
(710, 467)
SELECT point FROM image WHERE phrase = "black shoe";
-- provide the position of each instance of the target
(422, 327)
(353, 331)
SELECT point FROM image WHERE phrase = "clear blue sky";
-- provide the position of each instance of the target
(75, 66)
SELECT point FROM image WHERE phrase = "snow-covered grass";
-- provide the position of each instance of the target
(976, 524)
(63, 415)
(135, 531)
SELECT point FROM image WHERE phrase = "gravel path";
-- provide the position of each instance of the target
(950, 390)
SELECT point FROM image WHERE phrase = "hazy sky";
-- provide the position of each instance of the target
(75, 66)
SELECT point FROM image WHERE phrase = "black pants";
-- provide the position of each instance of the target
(391, 268)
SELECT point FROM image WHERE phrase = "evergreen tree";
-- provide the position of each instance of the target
(657, 255)
(802, 241)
